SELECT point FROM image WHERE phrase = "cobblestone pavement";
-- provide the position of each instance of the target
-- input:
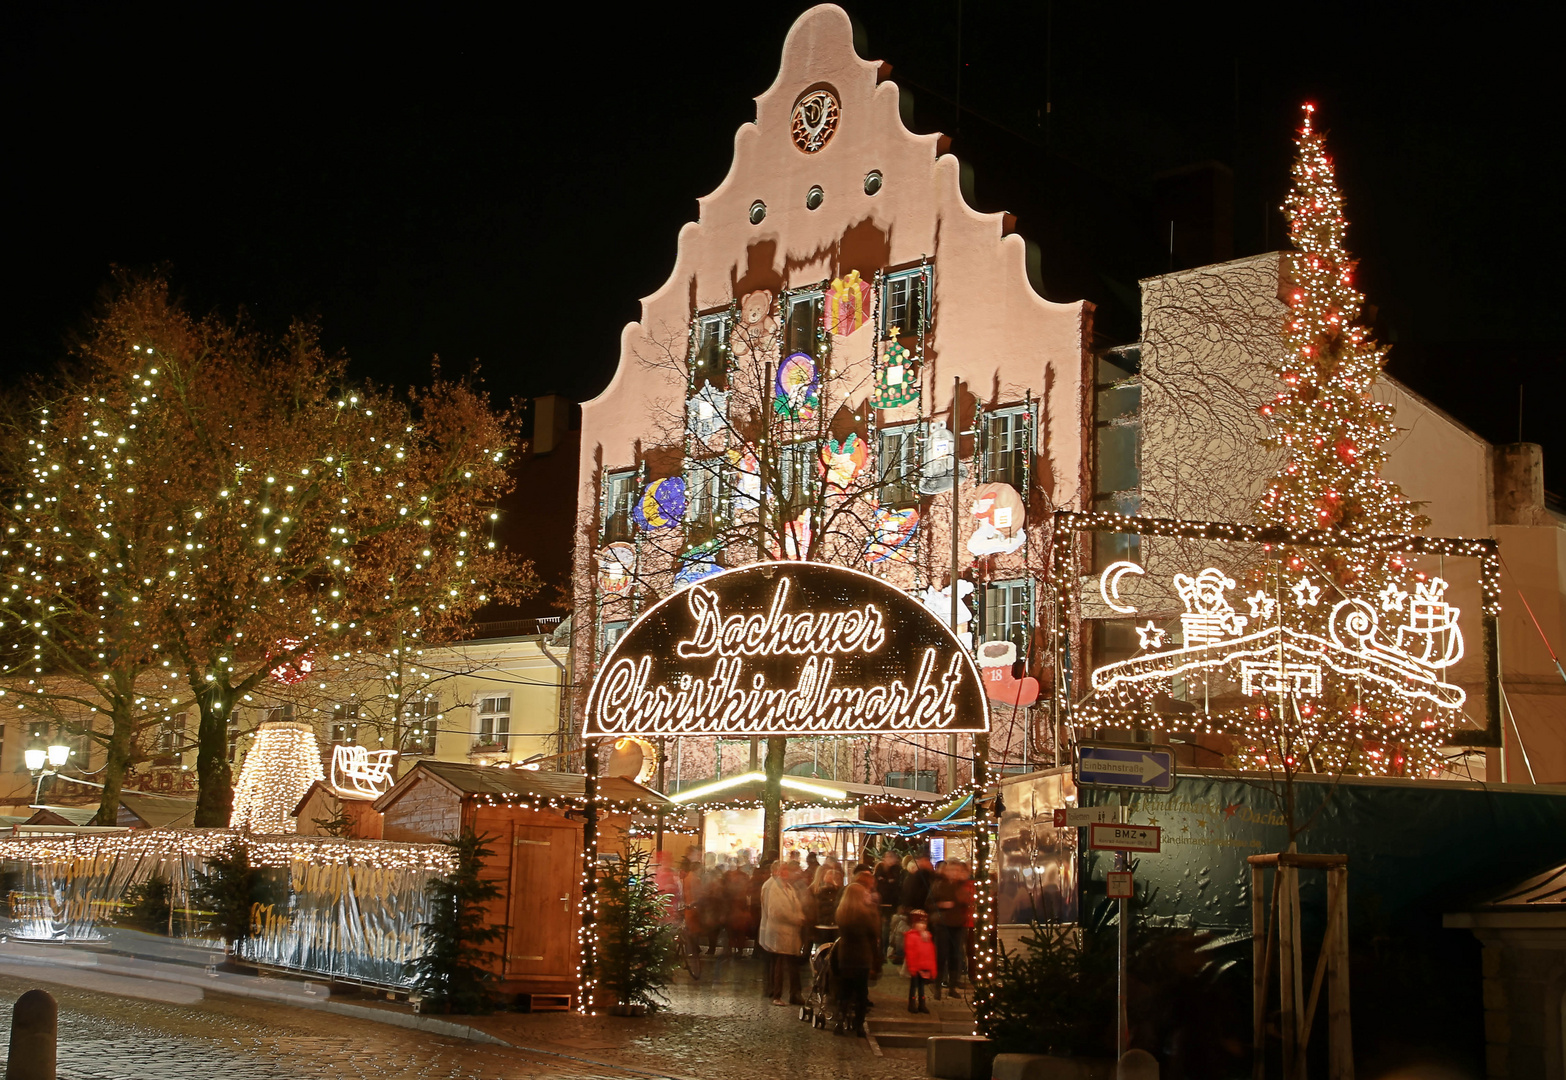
(103, 1037)
(719, 1027)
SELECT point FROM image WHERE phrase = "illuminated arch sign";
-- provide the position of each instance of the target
(787, 648)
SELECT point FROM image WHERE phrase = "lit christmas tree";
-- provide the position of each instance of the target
(1334, 433)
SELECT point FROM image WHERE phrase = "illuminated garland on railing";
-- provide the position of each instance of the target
(272, 851)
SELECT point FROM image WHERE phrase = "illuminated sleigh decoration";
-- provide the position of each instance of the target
(357, 770)
(1409, 659)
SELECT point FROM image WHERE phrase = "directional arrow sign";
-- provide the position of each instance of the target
(1149, 768)
(1073, 817)
(1124, 837)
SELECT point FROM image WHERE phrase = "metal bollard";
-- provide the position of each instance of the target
(35, 1025)
(1137, 1065)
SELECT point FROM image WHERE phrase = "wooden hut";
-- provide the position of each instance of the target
(323, 805)
(534, 823)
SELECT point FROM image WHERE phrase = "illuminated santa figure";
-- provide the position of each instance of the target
(279, 769)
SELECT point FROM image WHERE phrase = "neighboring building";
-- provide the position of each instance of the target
(831, 292)
(1178, 434)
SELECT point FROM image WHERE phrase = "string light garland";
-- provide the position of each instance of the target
(270, 851)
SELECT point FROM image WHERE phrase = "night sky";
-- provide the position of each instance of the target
(427, 181)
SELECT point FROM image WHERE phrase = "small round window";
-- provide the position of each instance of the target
(814, 198)
(872, 182)
(758, 211)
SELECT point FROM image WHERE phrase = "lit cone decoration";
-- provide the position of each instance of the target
(282, 764)
(1333, 434)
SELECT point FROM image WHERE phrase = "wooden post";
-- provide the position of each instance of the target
(1340, 1037)
(1284, 881)
(1261, 929)
(34, 1031)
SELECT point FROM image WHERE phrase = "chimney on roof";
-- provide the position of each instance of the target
(1519, 484)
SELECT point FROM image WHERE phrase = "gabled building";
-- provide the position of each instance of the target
(841, 338)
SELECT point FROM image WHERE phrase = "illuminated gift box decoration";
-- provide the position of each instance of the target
(848, 304)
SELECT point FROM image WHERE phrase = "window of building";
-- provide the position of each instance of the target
(170, 741)
(711, 364)
(802, 324)
(619, 497)
(492, 723)
(233, 737)
(611, 634)
(918, 780)
(1114, 640)
(898, 466)
(276, 712)
(345, 725)
(903, 302)
(420, 725)
(1007, 443)
(704, 514)
(1117, 445)
(1006, 614)
(82, 758)
(798, 471)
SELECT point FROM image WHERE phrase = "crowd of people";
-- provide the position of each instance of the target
(897, 910)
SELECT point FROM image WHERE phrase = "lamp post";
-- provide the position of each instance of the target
(36, 756)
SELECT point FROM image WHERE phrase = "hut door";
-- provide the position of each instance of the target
(546, 867)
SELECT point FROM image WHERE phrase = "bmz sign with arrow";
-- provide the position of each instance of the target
(1141, 768)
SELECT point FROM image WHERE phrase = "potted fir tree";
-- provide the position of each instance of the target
(635, 951)
(452, 975)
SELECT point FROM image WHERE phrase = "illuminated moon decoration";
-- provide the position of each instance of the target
(362, 772)
(615, 564)
(296, 668)
(1272, 657)
(662, 505)
(999, 516)
(891, 532)
(633, 758)
(787, 649)
(797, 380)
(1109, 585)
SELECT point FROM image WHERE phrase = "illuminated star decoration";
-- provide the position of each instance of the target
(1392, 597)
(1261, 605)
(1152, 637)
(1306, 594)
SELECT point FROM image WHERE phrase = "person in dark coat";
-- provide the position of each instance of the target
(855, 957)
(888, 891)
(916, 887)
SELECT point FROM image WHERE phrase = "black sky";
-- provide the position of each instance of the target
(503, 190)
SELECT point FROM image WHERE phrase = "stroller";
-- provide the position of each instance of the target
(820, 1006)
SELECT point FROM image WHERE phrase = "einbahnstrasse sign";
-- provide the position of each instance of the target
(787, 648)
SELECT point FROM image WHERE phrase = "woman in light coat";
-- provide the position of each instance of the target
(782, 917)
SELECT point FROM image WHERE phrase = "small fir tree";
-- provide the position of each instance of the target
(148, 904)
(453, 973)
(1333, 434)
(636, 943)
(226, 891)
(1055, 995)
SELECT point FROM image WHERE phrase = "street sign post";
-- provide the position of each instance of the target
(1075, 817)
(1117, 765)
(1119, 885)
(1145, 838)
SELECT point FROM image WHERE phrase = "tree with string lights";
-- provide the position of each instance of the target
(1333, 435)
(259, 514)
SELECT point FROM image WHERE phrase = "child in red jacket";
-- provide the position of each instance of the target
(918, 959)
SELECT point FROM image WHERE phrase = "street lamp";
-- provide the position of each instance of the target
(36, 756)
